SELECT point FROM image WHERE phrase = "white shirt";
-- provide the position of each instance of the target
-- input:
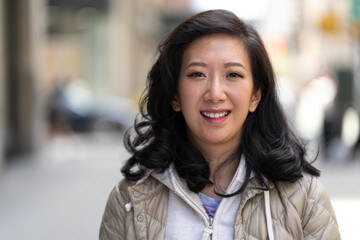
(187, 218)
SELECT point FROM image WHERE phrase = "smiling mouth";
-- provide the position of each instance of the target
(215, 115)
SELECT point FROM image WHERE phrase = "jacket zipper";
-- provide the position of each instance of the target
(208, 231)
(210, 220)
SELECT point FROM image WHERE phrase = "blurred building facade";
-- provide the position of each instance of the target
(2, 90)
(107, 46)
(22, 39)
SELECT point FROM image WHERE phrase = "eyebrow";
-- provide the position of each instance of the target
(229, 64)
(201, 64)
(236, 64)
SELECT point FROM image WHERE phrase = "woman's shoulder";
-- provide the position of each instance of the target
(123, 184)
(119, 193)
(305, 193)
(312, 202)
(309, 198)
(308, 185)
(122, 192)
(145, 185)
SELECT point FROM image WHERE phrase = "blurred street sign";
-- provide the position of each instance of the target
(355, 16)
(329, 22)
(355, 11)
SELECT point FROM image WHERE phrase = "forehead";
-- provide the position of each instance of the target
(216, 47)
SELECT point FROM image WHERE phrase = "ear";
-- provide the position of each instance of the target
(175, 104)
(255, 100)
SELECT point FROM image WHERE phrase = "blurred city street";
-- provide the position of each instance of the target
(61, 193)
(72, 73)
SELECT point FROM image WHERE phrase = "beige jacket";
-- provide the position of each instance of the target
(301, 210)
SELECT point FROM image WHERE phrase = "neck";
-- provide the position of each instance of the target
(215, 160)
(221, 178)
(215, 155)
(220, 175)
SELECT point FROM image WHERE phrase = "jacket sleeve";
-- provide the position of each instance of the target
(319, 220)
(113, 221)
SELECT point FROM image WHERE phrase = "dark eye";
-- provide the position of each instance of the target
(196, 74)
(235, 75)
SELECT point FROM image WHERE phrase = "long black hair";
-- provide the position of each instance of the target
(272, 151)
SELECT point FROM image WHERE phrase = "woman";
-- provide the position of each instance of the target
(213, 157)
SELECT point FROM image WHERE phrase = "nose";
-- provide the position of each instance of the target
(215, 91)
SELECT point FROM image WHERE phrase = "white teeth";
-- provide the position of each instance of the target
(214, 115)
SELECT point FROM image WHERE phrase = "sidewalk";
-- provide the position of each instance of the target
(61, 193)
(342, 183)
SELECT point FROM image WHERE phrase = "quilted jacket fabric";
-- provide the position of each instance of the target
(300, 210)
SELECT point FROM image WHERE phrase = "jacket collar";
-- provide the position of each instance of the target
(171, 180)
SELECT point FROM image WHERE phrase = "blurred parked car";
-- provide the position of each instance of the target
(73, 107)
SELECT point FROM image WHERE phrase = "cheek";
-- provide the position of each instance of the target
(241, 96)
(188, 95)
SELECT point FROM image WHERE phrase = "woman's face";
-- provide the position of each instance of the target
(215, 91)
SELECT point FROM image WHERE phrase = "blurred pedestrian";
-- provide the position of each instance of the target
(213, 156)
